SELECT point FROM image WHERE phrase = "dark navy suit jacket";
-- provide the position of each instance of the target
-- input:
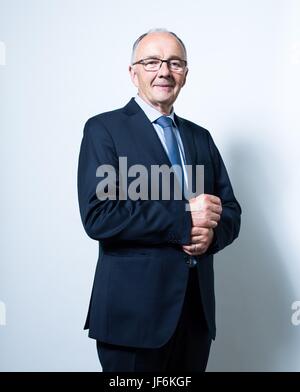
(141, 274)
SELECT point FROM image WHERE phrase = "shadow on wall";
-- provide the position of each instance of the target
(253, 292)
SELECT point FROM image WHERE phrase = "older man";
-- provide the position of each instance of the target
(152, 306)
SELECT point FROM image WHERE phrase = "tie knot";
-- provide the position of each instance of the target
(164, 121)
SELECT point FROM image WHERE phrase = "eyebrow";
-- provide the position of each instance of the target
(158, 57)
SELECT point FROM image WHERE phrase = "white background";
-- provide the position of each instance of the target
(63, 61)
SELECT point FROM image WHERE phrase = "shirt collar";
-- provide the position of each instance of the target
(150, 111)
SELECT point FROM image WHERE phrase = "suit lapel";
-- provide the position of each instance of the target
(190, 152)
(187, 141)
(144, 130)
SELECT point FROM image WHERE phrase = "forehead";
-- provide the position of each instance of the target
(159, 44)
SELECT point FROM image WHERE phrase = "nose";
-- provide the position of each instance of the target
(164, 70)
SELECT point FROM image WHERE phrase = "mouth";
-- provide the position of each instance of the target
(163, 86)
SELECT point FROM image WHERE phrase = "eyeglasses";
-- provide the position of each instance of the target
(153, 65)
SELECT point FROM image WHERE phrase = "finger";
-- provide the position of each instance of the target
(214, 217)
(211, 216)
(216, 208)
(210, 198)
(188, 252)
(212, 225)
(208, 224)
(196, 230)
(196, 239)
(192, 248)
(188, 248)
(195, 249)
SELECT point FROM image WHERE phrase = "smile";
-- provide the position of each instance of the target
(164, 86)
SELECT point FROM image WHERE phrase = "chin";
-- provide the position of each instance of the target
(164, 99)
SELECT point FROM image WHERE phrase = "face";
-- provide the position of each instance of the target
(160, 88)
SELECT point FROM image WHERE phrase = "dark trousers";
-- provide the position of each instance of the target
(186, 351)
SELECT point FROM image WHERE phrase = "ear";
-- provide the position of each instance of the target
(184, 80)
(133, 75)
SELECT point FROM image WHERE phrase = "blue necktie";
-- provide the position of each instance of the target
(172, 146)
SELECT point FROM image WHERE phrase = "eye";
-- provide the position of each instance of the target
(175, 63)
(152, 62)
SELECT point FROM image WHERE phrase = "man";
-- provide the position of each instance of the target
(152, 306)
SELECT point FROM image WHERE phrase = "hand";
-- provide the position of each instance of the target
(205, 210)
(201, 238)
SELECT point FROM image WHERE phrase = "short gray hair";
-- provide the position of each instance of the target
(155, 31)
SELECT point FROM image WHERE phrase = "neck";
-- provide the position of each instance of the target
(164, 109)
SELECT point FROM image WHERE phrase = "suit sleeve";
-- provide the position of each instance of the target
(229, 225)
(141, 221)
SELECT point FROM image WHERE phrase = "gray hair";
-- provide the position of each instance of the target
(135, 45)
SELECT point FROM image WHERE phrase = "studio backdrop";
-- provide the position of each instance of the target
(63, 61)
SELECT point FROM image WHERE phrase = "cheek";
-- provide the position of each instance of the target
(145, 81)
(148, 83)
(180, 82)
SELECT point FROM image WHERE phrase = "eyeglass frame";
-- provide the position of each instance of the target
(161, 62)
